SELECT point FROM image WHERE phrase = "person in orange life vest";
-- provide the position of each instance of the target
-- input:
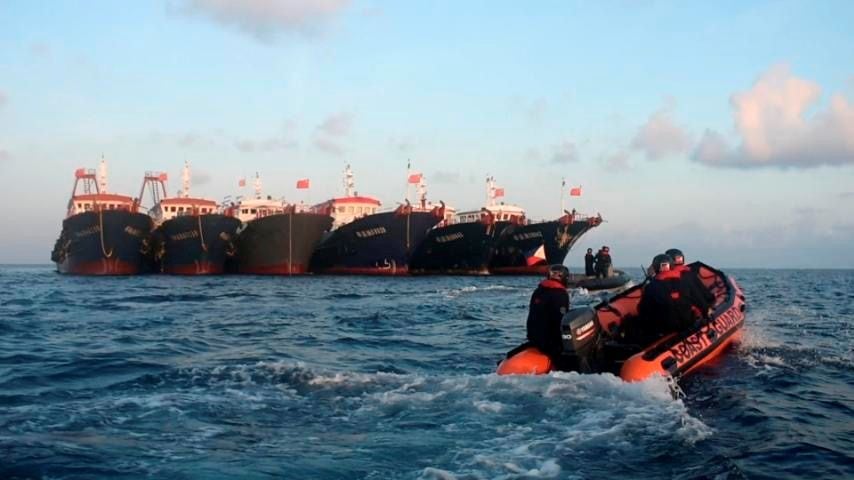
(549, 302)
(603, 262)
(589, 259)
(692, 281)
(666, 304)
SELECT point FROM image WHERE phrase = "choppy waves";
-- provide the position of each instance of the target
(335, 377)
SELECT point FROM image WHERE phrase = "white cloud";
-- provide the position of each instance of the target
(265, 19)
(660, 136)
(565, 152)
(328, 146)
(444, 177)
(616, 161)
(775, 129)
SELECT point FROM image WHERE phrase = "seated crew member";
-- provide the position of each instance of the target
(692, 281)
(549, 302)
(589, 263)
(666, 305)
(603, 262)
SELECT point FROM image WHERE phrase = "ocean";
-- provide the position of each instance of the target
(393, 378)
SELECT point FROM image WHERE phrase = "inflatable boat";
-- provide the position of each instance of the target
(600, 338)
(592, 283)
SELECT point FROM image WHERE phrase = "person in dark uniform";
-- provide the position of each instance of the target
(589, 263)
(692, 281)
(666, 305)
(549, 302)
(603, 262)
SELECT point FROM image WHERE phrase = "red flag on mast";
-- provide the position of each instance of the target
(499, 192)
(415, 178)
(575, 192)
(303, 183)
(241, 182)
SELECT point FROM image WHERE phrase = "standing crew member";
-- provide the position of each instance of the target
(589, 259)
(549, 302)
(603, 262)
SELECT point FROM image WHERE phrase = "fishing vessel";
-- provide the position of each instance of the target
(103, 233)
(192, 236)
(464, 244)
(276, 238)
(530, 247)
(365, 240)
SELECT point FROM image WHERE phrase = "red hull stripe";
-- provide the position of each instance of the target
(404, 270)
(105, 266)
(197, 268)
(277, 269)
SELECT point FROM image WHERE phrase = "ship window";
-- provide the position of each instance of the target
(79, 205)
(350, 209)
(245, 210)
(253, 210)
(171, 209)
(341, 209)
(180, 209)
(87, 207)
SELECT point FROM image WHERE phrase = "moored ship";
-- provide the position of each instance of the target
(529, 248)
(366, 241)
(276, 238)
(103, 233)
(465, 243)
(192, 236)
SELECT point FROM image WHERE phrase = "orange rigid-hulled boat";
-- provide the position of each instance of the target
(595, 338)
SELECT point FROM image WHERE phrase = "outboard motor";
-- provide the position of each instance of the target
(580, 334)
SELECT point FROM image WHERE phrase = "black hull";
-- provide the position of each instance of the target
(458, 249)
(195, 244)
(378, 244)
(108, 242)
(280, 244)
(517, 242)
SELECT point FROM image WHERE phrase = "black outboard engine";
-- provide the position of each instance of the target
(580, 333)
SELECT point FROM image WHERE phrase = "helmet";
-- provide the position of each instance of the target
(661, 263)
(676, 255)
(558, 273)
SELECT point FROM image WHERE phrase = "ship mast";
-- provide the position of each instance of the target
(421, 191)
(102, 176)
(185, 179)
(257, 186)
(348, 181)
(490, 191)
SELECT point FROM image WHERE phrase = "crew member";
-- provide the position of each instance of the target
(589, 262)
(603, 262)
(691, 280)
(549, 302)
(666, 306)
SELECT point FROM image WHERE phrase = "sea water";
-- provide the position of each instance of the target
(382, 378)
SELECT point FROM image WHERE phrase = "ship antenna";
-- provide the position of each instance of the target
(102, 176)
(257, 186)
(348, 181)
(422, 192)
(185, 178)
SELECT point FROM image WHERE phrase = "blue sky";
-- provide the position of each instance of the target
(722, 128)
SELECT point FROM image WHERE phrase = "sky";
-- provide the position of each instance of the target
(725, 129)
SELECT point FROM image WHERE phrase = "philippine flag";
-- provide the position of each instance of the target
(536, 256)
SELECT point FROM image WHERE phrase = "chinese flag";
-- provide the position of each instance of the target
(415, 178)
(80, 172)
(575, 191)
(302, 183)
(499, 192)
(241, 182)
(163, 177)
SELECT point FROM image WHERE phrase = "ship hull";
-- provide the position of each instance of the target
(378, 244)
(457, 249)
(517, 242)
(280, 244)
(108, 242)
(195, 244)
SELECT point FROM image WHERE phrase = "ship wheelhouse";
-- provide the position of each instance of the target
(344, 210)
(169, 208)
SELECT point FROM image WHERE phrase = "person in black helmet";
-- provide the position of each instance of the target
(666, 305)
(549, 302)
(691, 281)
